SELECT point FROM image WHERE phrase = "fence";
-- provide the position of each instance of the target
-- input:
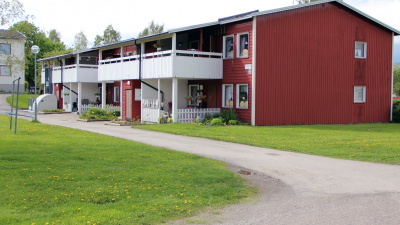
(109, 108)
(189, 115)
(150, 110)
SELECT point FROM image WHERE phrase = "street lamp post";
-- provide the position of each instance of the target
(35, 50)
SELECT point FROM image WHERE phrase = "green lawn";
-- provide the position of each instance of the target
(22, 100)
(363, 142)
(56, 175)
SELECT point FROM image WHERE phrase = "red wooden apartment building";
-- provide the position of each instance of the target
(319, 63)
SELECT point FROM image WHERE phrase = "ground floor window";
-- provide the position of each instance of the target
(359, 94)
(227, 95)
(116, 94)
(242, 96)
(194, 91)
(5, 70)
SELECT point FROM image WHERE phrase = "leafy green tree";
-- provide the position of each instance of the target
(35, 36)
(80, 41)
(98, 40)
(110, 35)
(151, 29)
(54, 35)
(396, 81)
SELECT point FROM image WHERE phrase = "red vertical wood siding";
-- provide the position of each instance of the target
(234, 69)
(58, 88)
(136, 107)
(306, 70)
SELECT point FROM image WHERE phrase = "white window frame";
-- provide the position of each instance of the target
(365, 50)
(238, 45)
(238, 96)
(1, 51)
(223, 96)
(116, 94)
(1, 70)
(224, 46)
(357, 90)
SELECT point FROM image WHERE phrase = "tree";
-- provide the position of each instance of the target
(35, 36)
(396, 81)
(10, 10)
(80, 41)
(98, 40)
(54, 35)
(151, 29)
(110, 35)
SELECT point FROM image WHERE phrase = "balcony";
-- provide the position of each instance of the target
(165, 64)
(76, 73)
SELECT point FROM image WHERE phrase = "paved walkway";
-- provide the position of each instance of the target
(294, 188)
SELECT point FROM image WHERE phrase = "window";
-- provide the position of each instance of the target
(228, 47)
(359, 94)
(116, 94)
(360, 50)
(242, 96)
(227, 95)
(5, 71)
(243, 45)
(194, 90)
(5, 49)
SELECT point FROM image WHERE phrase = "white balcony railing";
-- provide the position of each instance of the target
(165, 64)
(75, 73)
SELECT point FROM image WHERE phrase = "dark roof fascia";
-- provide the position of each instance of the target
(113, 44)
(395, 31)
(66, 55)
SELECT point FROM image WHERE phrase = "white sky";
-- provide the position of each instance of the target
(129, 17)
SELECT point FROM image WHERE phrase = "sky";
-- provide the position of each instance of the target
(130, 17)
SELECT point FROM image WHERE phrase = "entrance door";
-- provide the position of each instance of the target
(128, 105)
(212, 96)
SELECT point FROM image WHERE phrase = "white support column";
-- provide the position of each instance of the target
(103, 94)
(173, 42)
(121, 97)
(77, 60)
(175, 100)
(253, 74)
(159, 96)
(70, 97)
(80, 98)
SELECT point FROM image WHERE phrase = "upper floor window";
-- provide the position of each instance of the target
(359, 94)
(5, 70)
(360, 50)
(243, 45)
(228, 47)
(5, 49)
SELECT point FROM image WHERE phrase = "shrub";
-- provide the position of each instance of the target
(97, 114)
(169, 120)
(160, 120)
(208, 116)
(233, 122)
(228, 115)
(396, 111)
(116, 113)
(216, 122)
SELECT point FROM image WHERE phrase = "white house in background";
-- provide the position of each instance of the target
(12, 63)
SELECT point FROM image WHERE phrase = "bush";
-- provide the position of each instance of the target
(228, 115)
(116, 113)
(97, 114)
(396, 111)
(208, 116)
(216, 122)
(169, 120)
(233, 122)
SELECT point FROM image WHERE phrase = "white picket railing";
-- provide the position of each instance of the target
(189, 115)
(109, 108)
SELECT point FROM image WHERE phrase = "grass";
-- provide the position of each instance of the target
(23, 102)
(56, 175)
(362, 142)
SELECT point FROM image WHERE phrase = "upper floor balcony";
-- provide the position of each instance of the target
(74, 73)
(164, 64)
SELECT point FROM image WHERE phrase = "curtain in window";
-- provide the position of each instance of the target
(228, 46)
(243, 41)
